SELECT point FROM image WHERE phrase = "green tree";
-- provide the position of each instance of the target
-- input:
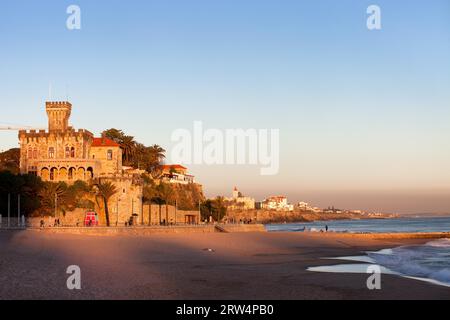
(127, 143)
(27, 186)
(168, 195)
(220, 208)
(106, 190)
(150, 159)
(136, 154)
(10, 160)
(114, 134)
(54, 197)
(214, 208)
(128, 146)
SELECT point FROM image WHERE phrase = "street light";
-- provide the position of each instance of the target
(117, 211)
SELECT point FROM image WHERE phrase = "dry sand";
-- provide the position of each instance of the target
(176, 266)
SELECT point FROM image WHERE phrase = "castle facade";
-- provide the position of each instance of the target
(62, 153)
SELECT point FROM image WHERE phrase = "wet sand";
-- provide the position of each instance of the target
(176, 266)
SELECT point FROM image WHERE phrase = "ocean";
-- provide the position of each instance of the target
(439, 224)
(428, 262)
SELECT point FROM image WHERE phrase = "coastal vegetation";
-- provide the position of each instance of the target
(185, 197)
(10, 160)
(136, 154)
(213, 209)
(39, 198)
(106, 190)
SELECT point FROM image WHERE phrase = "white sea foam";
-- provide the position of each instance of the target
(439, 243)
(429, 262)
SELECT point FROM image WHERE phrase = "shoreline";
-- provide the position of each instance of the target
(246, 265)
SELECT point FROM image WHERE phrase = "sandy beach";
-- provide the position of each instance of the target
(254, 265)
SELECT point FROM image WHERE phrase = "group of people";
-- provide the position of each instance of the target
(56, 223)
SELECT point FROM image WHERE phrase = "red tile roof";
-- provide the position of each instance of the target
(174, 166)
(104, 142)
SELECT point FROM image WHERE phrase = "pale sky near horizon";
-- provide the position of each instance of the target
(363, 115)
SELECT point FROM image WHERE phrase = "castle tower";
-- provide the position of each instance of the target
(235, 193)
(58, 113)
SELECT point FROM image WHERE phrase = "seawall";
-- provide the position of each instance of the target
(143, 231)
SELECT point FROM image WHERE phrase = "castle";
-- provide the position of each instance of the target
(65, 154)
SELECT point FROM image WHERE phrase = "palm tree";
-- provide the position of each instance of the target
(156, 153)
(219, 206)
(106, 190)
(139, 158)
(159, 201)
(156, 156)
(168, 195)
(52, 195)
(129, 148)
(149, 194)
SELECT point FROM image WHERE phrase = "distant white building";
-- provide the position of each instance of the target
(175, 173)
(278, 203)
(239, 201)
(304, 206)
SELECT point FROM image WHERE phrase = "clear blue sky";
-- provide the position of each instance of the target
(363, 115)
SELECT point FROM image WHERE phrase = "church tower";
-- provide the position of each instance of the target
(58, 115)
(235, 193)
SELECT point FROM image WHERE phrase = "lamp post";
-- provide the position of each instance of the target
(18, 210)
(117, 211)
(142, 210)
(9, 210)
(56, 206)
(176, 211)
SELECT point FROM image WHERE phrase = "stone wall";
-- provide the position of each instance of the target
(130, 231)
(243, 227)
(76, 217)
(168, 214)
(35, 147)
(108, 166)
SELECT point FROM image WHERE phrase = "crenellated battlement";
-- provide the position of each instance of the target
(80, 133)
(58, 113)
(58, 104)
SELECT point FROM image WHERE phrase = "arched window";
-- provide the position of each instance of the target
(53, 174)
(51, 152)
(72, 173)
(30, 153)
(109, 155)
(67, 152)
(35, 153)
(72, 152)
(89, 173)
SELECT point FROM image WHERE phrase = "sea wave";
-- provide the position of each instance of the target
(429, 261)
(441, 243)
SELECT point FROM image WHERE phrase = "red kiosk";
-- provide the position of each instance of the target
(90, 219)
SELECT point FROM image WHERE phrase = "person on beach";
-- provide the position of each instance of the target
(326, 228)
